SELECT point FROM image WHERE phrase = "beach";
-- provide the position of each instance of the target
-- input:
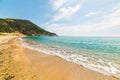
(19, 63)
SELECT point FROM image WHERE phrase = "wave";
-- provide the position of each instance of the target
(92, 63)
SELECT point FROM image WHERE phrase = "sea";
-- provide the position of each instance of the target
(101, 54)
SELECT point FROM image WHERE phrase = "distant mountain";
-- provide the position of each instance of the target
(23, 26)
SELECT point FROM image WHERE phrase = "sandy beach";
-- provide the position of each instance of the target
(19, 63)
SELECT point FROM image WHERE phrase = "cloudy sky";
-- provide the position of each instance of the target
(68, 17)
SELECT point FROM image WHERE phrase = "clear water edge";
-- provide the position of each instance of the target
(91, 55)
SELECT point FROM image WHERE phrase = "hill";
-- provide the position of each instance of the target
(25, 27)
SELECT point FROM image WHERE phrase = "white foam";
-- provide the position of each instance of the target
(99, 65)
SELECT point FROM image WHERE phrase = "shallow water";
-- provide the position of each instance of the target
(100, 54)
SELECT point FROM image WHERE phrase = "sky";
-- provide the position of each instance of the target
(67, 17)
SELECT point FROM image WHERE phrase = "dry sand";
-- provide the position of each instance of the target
(18, 63)
(13, 63)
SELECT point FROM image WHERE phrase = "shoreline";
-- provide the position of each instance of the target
(85, 61)
(39, 66)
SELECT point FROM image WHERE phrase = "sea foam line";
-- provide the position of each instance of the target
(85, 61)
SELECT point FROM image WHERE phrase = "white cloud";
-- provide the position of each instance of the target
(117, 7)
(116, 11)
(66, 13)
(93, 13)
(85, 29)
(58, 3)
(110, 22)
(65, 9)
(62, 29)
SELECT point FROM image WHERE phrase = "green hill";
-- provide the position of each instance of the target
(25, 27)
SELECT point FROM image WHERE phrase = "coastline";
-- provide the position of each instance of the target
(34, 65)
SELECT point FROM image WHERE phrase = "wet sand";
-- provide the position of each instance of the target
(54, 68)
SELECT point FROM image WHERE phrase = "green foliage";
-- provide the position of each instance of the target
(23, 26)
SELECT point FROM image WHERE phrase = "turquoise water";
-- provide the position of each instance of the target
(101, 54)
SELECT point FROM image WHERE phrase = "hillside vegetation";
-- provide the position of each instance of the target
(25, 27)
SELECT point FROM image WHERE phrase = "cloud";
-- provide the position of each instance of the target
(116, 11)
(66, 30)
(66, 13)
(65, 9)
(58, 3)
(85, 29)
(110, 23)
(93, 13)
